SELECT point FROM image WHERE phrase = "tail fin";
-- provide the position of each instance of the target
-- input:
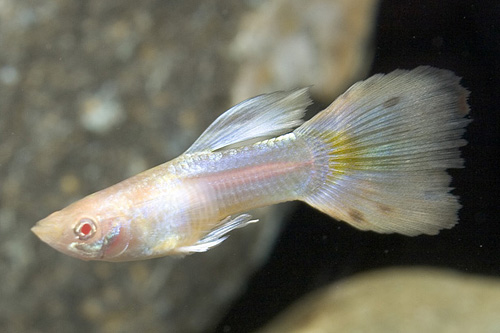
(381, 150)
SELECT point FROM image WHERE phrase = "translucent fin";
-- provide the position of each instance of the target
(219, 234)
(381, 150)
(258, 117)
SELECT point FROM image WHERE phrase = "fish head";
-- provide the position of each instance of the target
(86, 230)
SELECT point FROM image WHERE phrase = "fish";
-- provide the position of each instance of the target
(375, 158)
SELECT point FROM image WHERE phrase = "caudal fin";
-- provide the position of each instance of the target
(381, 150)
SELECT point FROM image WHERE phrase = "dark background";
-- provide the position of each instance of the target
(313, 250)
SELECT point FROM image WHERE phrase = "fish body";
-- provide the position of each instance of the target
(375, 158)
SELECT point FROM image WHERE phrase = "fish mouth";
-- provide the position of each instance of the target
(50, 231)
(42, 232)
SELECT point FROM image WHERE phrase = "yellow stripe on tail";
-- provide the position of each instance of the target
(381, 151)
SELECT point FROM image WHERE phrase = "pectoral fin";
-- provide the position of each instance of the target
(219, 234)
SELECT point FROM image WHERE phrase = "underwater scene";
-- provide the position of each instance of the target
(249, 166)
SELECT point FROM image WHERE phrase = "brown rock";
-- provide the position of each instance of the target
(285, 44)
(397, 300)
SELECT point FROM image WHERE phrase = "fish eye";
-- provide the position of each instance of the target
(85, 228)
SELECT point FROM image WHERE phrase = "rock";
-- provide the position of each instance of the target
(93, 92)
(397, 300)
(285, 44)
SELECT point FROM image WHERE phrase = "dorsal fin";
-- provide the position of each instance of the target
(262, 116)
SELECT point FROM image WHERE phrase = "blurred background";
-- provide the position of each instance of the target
(94, 92)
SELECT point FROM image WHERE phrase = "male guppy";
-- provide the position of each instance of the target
(375, 158)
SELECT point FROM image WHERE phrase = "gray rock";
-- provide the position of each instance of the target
(91, 93)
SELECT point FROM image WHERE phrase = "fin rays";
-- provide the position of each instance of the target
(218, 234)
(259, 117)
(387, 142)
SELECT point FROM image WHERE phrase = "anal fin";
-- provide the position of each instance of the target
(218, 234)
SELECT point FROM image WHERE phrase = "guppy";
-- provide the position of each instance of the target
(375, 158)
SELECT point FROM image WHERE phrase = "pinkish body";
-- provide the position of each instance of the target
(375, 158)
(193, 192)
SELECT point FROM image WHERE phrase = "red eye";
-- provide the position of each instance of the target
(85, 228)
